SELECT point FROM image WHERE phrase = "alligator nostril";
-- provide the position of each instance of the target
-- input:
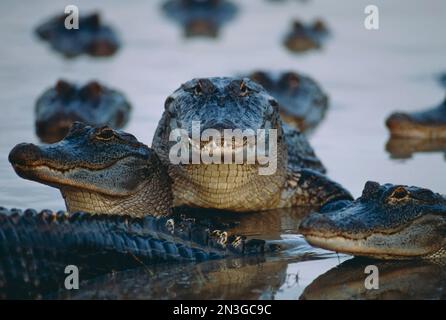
(24, 153)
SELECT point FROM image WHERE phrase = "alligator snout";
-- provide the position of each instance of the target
(24, 154)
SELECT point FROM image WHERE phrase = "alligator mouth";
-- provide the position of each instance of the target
(356, 247)
(393, 243)
(241, 151)
(68, 178)
(403, 125)
(30, 163)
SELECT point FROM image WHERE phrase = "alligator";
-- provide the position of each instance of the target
(302, 102)
(386, 222)
(304, 37)
(92, 37)
(59, 107)
(429, 123)
(35, 248)
(226, 103)
(403, 148)
(200, 17)
(98, 170)
(398, 280)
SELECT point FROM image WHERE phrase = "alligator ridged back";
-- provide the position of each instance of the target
(36, 247)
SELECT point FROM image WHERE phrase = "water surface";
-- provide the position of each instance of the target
(366, 74)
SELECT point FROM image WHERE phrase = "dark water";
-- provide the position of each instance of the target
(367, 74)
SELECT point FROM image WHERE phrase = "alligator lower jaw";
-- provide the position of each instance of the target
(57, 178)
(359, 247)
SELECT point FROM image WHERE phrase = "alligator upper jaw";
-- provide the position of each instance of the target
(63, 179)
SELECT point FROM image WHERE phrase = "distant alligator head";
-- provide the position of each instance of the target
(430, 123)
(92, 37)
(93, 104)
(302, 102)
(98, 170)
(387, 222)
(226, 103)
(201, 18)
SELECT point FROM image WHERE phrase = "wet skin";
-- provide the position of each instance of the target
(386, 222)
(98, 170)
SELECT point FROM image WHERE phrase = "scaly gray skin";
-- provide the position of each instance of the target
(36, 248)
(302, 103)
(98, 170)
(398, 280)
(200, 17)
(94, 104)
(306, 37)
(386, 222)
(235, 103)
(91, 38)
(428, 124)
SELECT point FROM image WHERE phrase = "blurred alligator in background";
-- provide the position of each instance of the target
(428, 124)
(200, 17)
(386, 222)
(92, 37)
(94, 104)
(304, 37)
(302, 102)
(398, 280)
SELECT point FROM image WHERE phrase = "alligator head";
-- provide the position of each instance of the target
(221, 104)
(93, 103)
(430, 123)
(98, 170)
(387, 221)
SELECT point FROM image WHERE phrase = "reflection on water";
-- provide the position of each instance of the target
(404, 148)
(366, 74)
(397, 280)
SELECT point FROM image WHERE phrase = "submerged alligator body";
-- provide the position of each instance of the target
(92, 37)
(36, 247)
(226, 103)
(302, 103)
(304, 37)
(428, 124)
(200, 17)
(94, 104)
(386, 222)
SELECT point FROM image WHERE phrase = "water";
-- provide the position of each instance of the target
(367, 74)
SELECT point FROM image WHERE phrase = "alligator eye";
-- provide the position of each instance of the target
(105, 134)
(399, 193)
(244, 90)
